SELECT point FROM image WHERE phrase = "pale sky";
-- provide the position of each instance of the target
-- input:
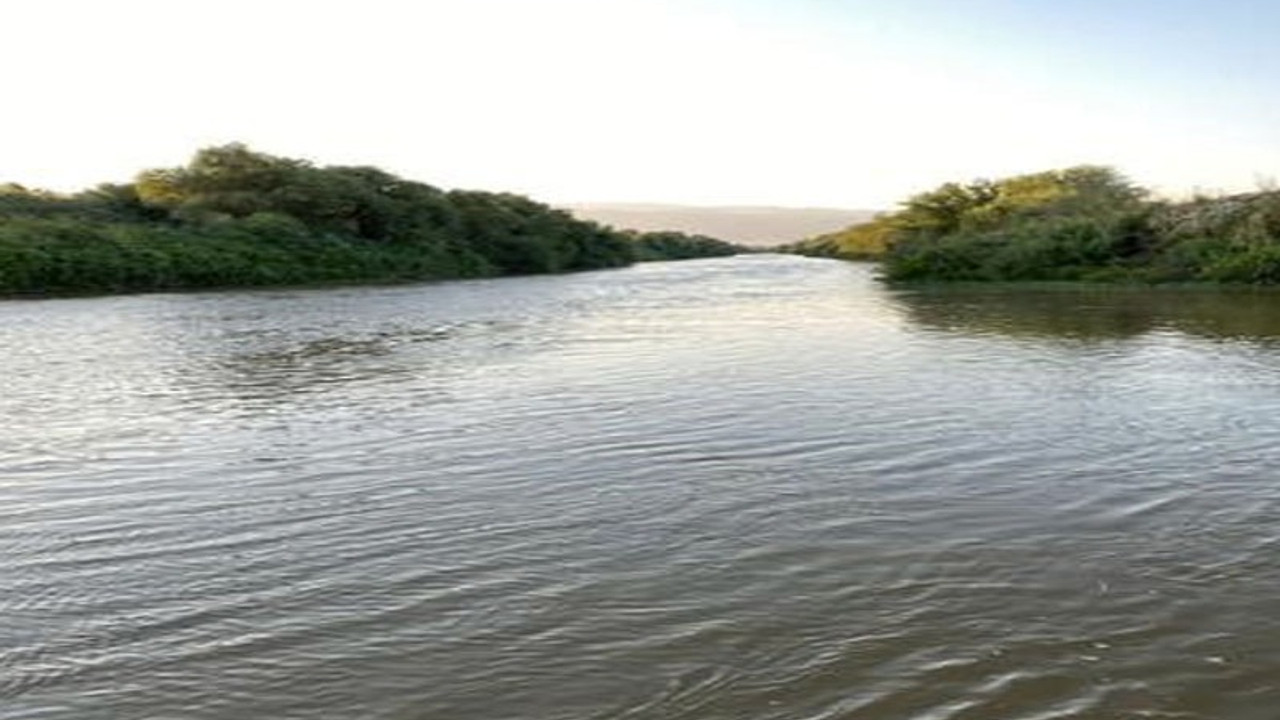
(839, 103)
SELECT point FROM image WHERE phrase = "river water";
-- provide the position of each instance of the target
(742, 488)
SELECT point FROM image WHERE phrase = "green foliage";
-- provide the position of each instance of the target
(519, 235)
(235, 217)
(867, 241)
(105, 203)
(987, 205)
(1083, 223)
(933, 232)
(671, 245)
(1059, 248)
(1089, 224)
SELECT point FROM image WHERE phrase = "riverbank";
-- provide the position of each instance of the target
(1084, 224)
(237, 218)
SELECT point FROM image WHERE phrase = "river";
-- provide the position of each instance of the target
(751, 488)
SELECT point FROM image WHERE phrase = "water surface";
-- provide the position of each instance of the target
(743, 488)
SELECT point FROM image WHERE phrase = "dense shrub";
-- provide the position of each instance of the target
(1085, 223)
(672, 245)
(235, 217)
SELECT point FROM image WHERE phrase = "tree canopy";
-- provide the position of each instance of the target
(271, 219)
(1080, 223)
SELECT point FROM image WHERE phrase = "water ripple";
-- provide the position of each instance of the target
(753, 487)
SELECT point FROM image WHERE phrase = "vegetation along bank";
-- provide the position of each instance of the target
(235, 217)
(1084, 223)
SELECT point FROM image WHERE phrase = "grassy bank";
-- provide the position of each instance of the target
(1080, 224)
(233, 217)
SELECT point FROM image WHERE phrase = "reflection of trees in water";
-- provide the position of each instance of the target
(1088, 313)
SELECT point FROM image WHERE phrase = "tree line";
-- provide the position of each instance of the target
(1085, 223)
(236, 217)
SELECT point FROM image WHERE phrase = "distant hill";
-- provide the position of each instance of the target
(758, 226)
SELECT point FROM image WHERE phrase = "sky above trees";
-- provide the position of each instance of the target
(854, 103)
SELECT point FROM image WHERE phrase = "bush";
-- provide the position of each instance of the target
(234, 217)
(1081, 224)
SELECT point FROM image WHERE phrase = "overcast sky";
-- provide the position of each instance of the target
(783, 102)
